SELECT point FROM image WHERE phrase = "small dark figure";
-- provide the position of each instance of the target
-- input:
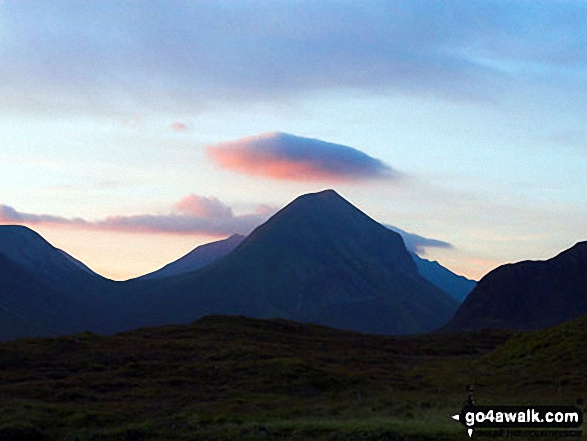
(470, 400)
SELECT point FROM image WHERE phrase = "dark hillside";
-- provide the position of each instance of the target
(237, 378)
(528, 295)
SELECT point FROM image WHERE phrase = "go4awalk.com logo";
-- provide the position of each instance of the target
(518, 421)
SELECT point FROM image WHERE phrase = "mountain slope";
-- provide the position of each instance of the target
(528, 295)
(561, 348)
(55, 293)
(29, 249)
(234, 378)
(458, 287)
(29, 307)
(198, 258)
(50, 265)
(319, 260)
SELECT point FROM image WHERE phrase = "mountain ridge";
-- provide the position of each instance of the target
(201, 256)
(528, 295)
(71, 297)
(455, 285)
(54, 266)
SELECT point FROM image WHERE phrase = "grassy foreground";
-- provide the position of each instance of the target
(240, 378)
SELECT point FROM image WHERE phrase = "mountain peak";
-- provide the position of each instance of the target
(319, 259)
(323, 194)
(17, 240)
(29, 249)
(325, 220)
(325, 205)
(19, 232)
(320, 199)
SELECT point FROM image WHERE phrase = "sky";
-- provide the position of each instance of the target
(133, 131)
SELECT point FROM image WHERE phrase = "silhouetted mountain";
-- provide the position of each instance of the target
(198, 258)
(45, 291)
(528, 295)
(458, 287)
(318, 260)
(50, 265)
(29, 307)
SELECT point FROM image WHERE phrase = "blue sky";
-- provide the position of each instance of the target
(112, 111)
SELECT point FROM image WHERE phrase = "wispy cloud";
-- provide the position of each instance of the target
(178, 126)
(193, 214)
(419, 244)
(287, 157)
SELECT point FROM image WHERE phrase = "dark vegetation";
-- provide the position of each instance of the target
(240, 378)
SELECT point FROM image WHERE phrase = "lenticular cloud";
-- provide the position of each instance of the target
(287, 157)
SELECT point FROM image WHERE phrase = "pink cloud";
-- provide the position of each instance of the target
(196, 215)
(179, 126)
(202, 206)
(287, 157)
(266, 210)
